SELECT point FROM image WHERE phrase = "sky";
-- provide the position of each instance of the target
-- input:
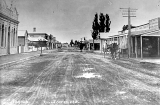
(72, 19)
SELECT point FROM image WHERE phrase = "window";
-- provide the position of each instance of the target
(0, 33)
(5, 36)
(2, 38)
(14, 37)
(8, 41)
(115, 38)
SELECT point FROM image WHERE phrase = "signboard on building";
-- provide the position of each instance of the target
(154, 23)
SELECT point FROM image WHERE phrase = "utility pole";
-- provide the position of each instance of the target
(129, 15)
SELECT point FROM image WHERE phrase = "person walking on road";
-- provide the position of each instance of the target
(81, 46)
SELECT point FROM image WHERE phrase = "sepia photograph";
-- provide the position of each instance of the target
(79, 52)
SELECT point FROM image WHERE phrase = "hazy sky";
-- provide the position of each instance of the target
(72, 19)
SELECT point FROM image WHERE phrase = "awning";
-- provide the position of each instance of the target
(37, 39)
(146, 32)
(151, 35)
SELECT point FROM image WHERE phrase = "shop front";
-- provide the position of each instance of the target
(145, 46)
(145, 40)
(151, 47)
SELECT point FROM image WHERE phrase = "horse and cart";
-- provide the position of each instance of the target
(112, 50)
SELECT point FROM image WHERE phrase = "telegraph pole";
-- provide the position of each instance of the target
(129, 15)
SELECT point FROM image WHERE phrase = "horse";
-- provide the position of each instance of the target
(114, 50)
(105, 48)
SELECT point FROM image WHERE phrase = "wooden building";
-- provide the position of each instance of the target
(37, 40)
(145, 40)
(23, 41)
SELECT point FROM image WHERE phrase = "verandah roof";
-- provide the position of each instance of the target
(37, 39)
(157, 35)
(146, 32)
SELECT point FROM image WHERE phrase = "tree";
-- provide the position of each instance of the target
(41, 44)
(108, 23)
(102, 26)
(46, 37)
(125, 27)
(101, 23)
(95, 27)
(50, 41)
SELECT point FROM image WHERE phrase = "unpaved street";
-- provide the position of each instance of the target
(74, 78)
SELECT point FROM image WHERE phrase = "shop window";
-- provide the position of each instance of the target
(96, 46)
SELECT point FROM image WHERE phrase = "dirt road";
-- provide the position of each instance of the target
(73, 78)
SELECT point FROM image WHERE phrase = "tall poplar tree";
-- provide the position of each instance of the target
(95, 27)
(108, 23)
(103, 25)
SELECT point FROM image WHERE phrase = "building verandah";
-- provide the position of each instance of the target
(145, 45)
(144, 39)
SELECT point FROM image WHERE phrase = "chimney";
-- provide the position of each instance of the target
(34, 29)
